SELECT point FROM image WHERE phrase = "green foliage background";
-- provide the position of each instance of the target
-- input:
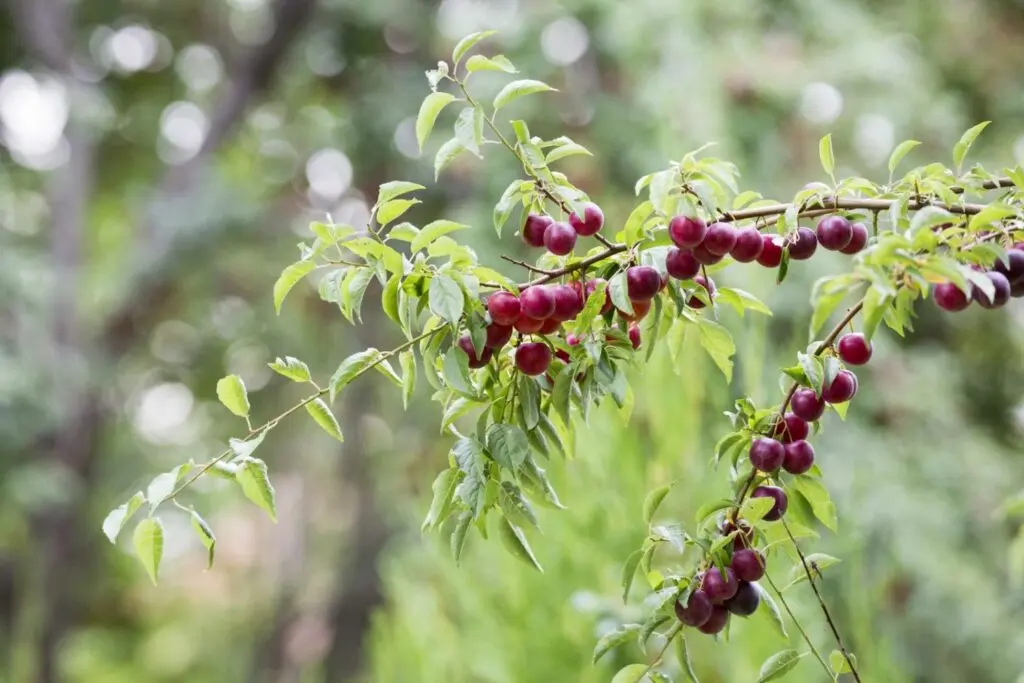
(345, 587)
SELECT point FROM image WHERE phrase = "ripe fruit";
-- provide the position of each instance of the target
(697, 610)
(560, 238)
(720, 238)
(791, 428)
(537, 302)
(1013, 270)
(705, 256)
(527, 325)
(749, 245)
(687, 231)
(642, 283)
(1000, 295)
(781, 501)
(842, 389)
(746, 600)
(719, 587)
(504, 308)
(709, 287)
(834, 232)
(590, 223)
(804, 246)
(498, 335)
(854, 348)
(799, 457)
(634, 335)
(949, 297)
(771, 251)
(567, 303)
(592, 285)
(681, 264)
(807, 405)
(549, 326)
(475, 361)
(716, 622)
(858, 239)
(766, 454)
(748, 564)
(741, 540)
(533, 358)
(640, 311)
(534, 228)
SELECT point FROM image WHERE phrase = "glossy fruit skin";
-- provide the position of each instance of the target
(550, 326)
(807, 405)
(771, 251)
(767, 454)
(567, 303)
(748, 564)
(834, 233)
(498, 335)
(528, 325)
(537, 302)
(697, 610)
(705, 256)
(1001, 293)
(642, 283)
(746, 600)
(781, 501)
(858, 239)
(534, 228)
(716, 622)
(475, 361)
(854, 348)
(791, 428)
(949, 297)
(560, 238)
(590, 223)
(719, 587)
(799, 457)
(634, 336)
(804, 246)
(504, 308)
(842, 389)
(709, 287)
(687, 231)
(720, 238)
(593, 285)
(749, 245)
(1014, 269)
(640, 311)
(533, 358)
(681, 264)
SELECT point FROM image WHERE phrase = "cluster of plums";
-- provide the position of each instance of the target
(559, 237)
(722, 593)
(1007, 281)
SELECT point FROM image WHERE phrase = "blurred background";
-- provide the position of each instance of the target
(159, 163)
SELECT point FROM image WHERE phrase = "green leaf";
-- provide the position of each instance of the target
(231, 392)
(614, 638)
(515, 541)
(508, 445)
(456, 372)
(708, 509)
(629, 571)
(592, 309)
(517, 89)
(653, 500)
(620, 293)
(396, 188)
(467, 43)
(469, 129)
(683, 653)
(443, 503)
(352, 367)
(459, 535)
(828, 160)
(390, 210)
(164, 484)
(963, 146)
(118, 517)
(754, 509)
(634, 228)
(206, 536)
(469, 456)
(897, 155)
(292, 368)
(631, 673)
(813, 371)
(838, 662)
(325, 418)
(288, 279)
(989, 215)
(244, 448)
(148, 540)
(778, 665)
(447, 152)
(567, 150)
(495, 63)
(407, 361)
(252, 477)
(515, 507)
(429, 111)
(817, 562)
(719, 344)
(769, 607)
(741, 301)
(535, 478)
(875, 305)
(432, 231)
(817, 495)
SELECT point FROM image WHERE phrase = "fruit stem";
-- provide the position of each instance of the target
(796, 622)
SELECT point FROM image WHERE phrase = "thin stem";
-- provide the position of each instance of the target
(670, 635)
(524, 264)
(796, 622)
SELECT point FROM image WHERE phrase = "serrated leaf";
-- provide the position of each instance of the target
(469, 456)
(119, 516)
(828, 159)
(443, 502)
(292, 368)
(963, 145)
(458, 540)
(768, 606)
(206, 536)
(288, 279)
(390, 210)
(469, 129)
(231, 392)
(515, 541)
(148, 540)
(431, 108)
(163, 485)
(719, 344)
(325, 418)
(467, 43)
(614, 638)
(252, 477)
(901, 151)
(352, 367)
(778, 665)
(396, 188)
(495, 63)
(517, 89)
(407, 361)
(653, 500)
(432, 231)
(508, 445)
(515, 506)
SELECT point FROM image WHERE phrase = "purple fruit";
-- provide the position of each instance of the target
(687, 231)
(719, 587)
(807, 405)
(834, 233)
(799, 457)
(697, 611)
(746, 600)
(681, 264)
(781, 501)
(767, 454)
(749, 245)
(804, 246)
(720, 238)
(748, 564)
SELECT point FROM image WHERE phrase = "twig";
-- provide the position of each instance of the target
(799, 627)
(670, 635)
(526, 265)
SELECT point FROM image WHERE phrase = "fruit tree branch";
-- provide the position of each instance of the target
(799, 627)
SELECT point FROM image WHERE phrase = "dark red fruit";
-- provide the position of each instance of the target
(704, 255)
(504, 308)
(687, 231)
(748, 564)
(834, 232)
(533, 358)
(498, 335)
(549, 326)
(771, 251)
(709, 287)
(1013, 270)
(781, 501)
(804, 246)
(697, 611)
(1000, 295)
(592, 285)
(807, 405)
(766, 454)
(949, 297)
(792, 428)
(537, 302)
(642, 283)
(681, 264)
(567, 303)
(527, 325)
(746, 600)
(854, 348)
(858, 239)
(475, 361)
(534, 228)
(799, 457)
(743, 539)
(634, 336)
(716, 622)
(749, 245)
(720, 238)
(719, 587)
(560, 238)
(842, 389)
(591, 221)
(640, 311)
